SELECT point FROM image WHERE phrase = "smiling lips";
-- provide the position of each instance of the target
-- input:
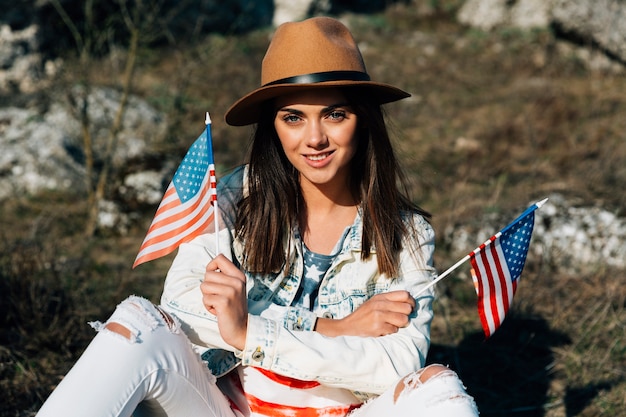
(318, 157)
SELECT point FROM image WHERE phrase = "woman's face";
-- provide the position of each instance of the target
(317, 130)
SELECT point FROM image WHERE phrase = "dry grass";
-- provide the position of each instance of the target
(496, 121)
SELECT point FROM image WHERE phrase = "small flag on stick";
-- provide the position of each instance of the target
(189, 204)
(497, 265)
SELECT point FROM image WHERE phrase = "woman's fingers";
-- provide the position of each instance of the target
(221, 264)
(392, 302)
(380, 315)
(221, 291)
(224, 295)
(398, 297)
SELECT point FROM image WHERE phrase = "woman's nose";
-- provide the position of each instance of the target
(316, 135)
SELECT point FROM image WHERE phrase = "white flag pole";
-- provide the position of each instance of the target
(487, 243)
(443, 275)
(212, 181)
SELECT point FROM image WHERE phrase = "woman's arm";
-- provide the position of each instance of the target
(366, 364)
(381, 315)
(182, 296)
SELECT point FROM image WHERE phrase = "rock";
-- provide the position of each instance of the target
(142, 125)
(602, 22)
(569, 239)
(35, 154)
(290, 10)
(484, 14)
(21, 64)
(44, 151)
(597, 23)
(110, 217)
(579, 239)
(489, 14)
(145, 187)
(528, 14)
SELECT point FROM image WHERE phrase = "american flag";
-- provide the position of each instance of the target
(189, 203)
(496, 267)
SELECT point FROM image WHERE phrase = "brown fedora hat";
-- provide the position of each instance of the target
(314, 53)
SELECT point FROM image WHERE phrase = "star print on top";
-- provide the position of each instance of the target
(315, 267)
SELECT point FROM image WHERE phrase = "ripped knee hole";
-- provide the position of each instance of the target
(124, 331)
(119, 329)
(418, 378)
(166, 317)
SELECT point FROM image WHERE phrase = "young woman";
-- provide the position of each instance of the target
(312, 310)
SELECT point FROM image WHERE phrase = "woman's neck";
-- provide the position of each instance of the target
(326, 214)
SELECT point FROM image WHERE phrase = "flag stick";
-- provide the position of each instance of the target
(445, 274)
(487, 243)
(212, 180)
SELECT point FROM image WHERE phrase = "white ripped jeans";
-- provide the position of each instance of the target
(156, 372)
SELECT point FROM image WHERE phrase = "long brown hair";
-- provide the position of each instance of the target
(271, 208)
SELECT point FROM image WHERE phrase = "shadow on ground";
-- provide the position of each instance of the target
(510, 373)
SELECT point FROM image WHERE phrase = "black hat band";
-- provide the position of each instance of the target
(320, 77)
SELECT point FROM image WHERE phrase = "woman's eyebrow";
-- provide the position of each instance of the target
(324, 110)
(334, 106)
(290, 110)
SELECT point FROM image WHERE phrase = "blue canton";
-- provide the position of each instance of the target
(192, 170)
(515, 242)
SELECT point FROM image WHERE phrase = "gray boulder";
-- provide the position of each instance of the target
(598, 23)
(602, 22)
(43, 151)
(489, 14)
(21, 63)
(566, 237)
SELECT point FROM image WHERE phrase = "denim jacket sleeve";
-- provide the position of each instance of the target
(181, 295)
(364, 365)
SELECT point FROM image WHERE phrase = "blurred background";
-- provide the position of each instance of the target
(512, 101)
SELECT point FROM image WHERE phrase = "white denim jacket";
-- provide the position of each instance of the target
(280, 337)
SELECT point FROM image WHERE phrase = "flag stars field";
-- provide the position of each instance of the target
(188, 179)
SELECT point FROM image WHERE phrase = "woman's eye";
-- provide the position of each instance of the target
(291, 118)
(337, 115)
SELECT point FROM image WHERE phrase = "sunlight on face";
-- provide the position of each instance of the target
(317, 131)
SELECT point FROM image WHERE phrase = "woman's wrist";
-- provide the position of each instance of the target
(328, 327)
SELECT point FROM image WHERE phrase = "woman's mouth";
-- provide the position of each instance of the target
(318, 157)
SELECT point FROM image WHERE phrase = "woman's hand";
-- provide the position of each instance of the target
(381, 315)
(224, 295)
